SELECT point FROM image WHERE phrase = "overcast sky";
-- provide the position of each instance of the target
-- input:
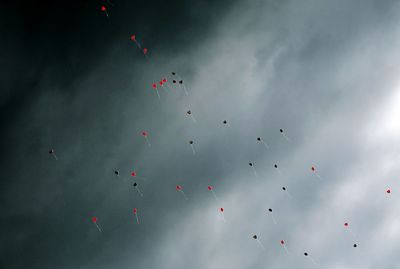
(326, 72)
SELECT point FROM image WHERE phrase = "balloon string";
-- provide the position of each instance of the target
(194, 152)
(287, 251)
(255, 172)
(98, 227)
(184, 195)
(157, 91)
(265, 144)
(55, 157)
(215, 196)
(147, 140)
(287, 138)
(137, 218)
(261, 245)
(193, 118)
(141, 194)
(273, 218)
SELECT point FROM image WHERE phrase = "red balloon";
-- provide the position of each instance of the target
(221, 209)
(135, 210)
(133, 37)
(346, 224)
(164, 80)
(145, 50)
(103, 8)
(154, 86)
(144, 133)
(312, 168)
(178, 187)
(210, 188)
(161, 83)
(94, 219)
(133, 174)
(282, 242)
(388, 191)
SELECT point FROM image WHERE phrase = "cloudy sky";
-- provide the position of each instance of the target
(326, 72)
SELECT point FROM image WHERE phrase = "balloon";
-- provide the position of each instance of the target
(255, 236)
(210, 188)
(94, 219)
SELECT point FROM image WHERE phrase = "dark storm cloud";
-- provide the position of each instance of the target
(310, 68)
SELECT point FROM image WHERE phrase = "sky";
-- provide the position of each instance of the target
(72, 80)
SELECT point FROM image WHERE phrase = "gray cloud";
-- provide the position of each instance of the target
(325, 72)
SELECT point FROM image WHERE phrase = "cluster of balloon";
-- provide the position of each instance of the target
(191, 145)
(52, 152)
(189, 112)
(315, 172)
(179, 188)
(226, 123)
(180, 83)
(145, 134)
(254, 169)
(277, 169)
(104, 9)
(211, 189)
(284, 135)
(287, 192)
(284, 246)
(133, 38)
(94, 220)
(136, 215)
(222, 213)
(255, 237)
(162, 82)
(272, 215)
(346, 225)
(262, 142)
(135, 185)
(311, 259)
(154, 86)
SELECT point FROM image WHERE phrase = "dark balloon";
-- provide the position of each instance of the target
(51, 151)
(116, 172)
(174, 81)
(180, 81)
(134, 184)
(255, 236)
(305, 254)
(259, 138)
(355, 245)
(189, 112)
(224, 121)
(283, 188)
(190, 142)
(251, 164)
(173, 73)
(270, 209)
(281, 130)
(276, 166)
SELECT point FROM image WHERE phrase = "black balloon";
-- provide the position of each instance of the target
(116, 172)
(281, 130)
(259, 138)
(355, 245)
(255, 236)
(276, 166)
(134, 184)
(251, 164)
(305, 254)
(270, 209)
(283, 188)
